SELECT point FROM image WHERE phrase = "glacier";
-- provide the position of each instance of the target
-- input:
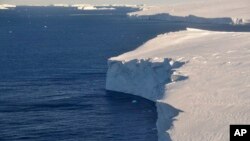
(199, 80)
(212, 11)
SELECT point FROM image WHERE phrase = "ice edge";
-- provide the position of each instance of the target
(147, 78)
(191, 19)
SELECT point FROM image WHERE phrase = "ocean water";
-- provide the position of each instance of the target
(53, 64)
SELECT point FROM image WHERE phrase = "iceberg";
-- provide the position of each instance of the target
(6, 6)
(61, 5)
(92, 7)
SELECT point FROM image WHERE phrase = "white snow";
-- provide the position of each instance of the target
(3, 8)
(127, 5)
(6, 6)
(79, 6)
(61, 5)
(202, 85)
(205, 74)
(90, 7)
(103, 7)
(84, 6)
(236, 10)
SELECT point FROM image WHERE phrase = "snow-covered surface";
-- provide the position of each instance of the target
(79, 6)
(97, 7)
(87, 8)
(237, 10)
(103, 7)
(6, 6)
(203, 82)
(61, 5)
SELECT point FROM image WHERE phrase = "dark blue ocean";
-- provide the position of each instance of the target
(53, 64)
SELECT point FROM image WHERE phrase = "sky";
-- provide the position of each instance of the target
(97, 2)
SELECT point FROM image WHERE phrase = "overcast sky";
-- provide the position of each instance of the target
(46, 2)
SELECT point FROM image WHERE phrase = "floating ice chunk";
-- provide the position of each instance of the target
(134, 101)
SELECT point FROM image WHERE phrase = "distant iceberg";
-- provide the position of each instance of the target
(105, 6)
(6, 6)
(61, 5)
(84, 6)
(79, 6)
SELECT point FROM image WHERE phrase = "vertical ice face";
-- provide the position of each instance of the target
(143, 77)
(146, 78)
(212, 11)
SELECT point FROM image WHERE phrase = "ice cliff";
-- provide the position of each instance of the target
(199, 80)
(143, 77)
(190, 19)
(212, 11)
(146, 78)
